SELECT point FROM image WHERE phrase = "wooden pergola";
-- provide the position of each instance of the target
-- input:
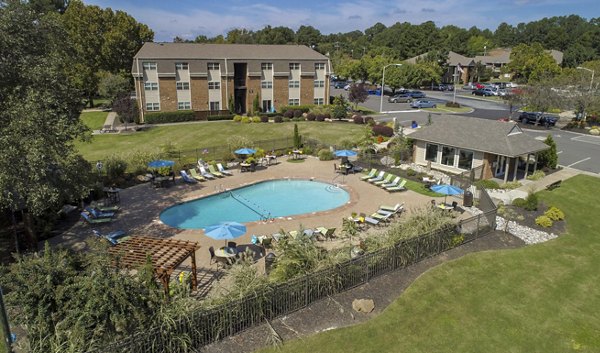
(166, 256)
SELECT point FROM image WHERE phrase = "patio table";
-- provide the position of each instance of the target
(226, 252)
(444, 206)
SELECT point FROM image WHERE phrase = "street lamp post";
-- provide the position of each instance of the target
(590, 70)
(383, 85)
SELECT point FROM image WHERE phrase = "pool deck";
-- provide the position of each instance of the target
(141, 206)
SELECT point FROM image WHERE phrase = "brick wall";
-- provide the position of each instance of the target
(280, 91)
(307, 90)
(225, 95)
(252, 89)
(199, 87)
(168, 94)
(488, 170)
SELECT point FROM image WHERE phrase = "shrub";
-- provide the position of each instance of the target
(325, 155)
(411, 172)
(288, 114)
(307, 150)
(278, 119)
(510, 185)
(519, 202)
(554, 214)
(327, 115)
(537, 175)
(169, 117)
(452, 105)
(115, 167)
(286, 120)
(543, 221)
(320, 117)
(304, 108)
(487, 184)
(237, 118)
(358, 119)
(297, 113)
(264, 119)
(310, 117)
(531, 202)
(382, 130)
(220, 117)
(256, 119)
(245, 120)
(379, 139)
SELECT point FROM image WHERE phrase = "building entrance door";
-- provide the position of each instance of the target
(500, 166)
(240, 101)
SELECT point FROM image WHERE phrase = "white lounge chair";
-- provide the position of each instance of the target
(379, 177)
(392, 184)
(204, 173)
(223, 170)
(400, 187)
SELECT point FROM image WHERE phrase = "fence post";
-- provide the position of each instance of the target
(477, 229)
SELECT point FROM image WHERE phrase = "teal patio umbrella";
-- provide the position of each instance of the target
(447, 189)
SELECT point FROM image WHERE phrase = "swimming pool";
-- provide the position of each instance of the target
(267, 199)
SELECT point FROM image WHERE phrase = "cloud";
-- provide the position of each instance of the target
(428, 10)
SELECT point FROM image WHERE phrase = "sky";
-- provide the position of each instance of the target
(188, 18)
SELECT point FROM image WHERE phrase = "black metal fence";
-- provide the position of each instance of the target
(204, 327)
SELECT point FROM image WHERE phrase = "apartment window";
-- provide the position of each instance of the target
(181, 66)
(294, 66)
(266, 84)
(214, 85)
(431, 153)
(465, 159)
(182, 86)
(266, 66)
(152, 106)
(184, 105)
(214, 106)
(293, 101)
(319, 101)
(448, 156)
(294, 84)
(149, 66)
(319, 83)
(267, 105)
(320, 66)
(213, 66)
(151, 86)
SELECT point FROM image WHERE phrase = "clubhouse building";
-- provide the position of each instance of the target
(211, 79)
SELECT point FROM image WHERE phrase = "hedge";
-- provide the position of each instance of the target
(304, 108)
(169, 117)
(220, 117)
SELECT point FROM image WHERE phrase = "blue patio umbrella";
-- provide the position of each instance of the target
(159, 163)
(345, 153)
(447, 190)
(225, 230)
(245, 151)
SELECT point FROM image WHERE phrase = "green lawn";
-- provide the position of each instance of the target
(191, 136)
(444, 109)
(94, 120)
(540, 298)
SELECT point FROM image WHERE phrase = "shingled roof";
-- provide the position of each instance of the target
(153, 50)
(491, 136)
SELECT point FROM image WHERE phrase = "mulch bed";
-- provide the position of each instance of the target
(558, 227)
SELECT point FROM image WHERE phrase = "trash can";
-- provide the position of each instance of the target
(269, 261)
(468, 199)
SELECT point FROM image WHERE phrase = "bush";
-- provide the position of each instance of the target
(256, 119)
(237, 118)
(487, 184)
(264, 119)
(537, 175)
(519, 202)
(531, 202)
(278, 119)
(307, 150)
(452, 105)
(327, 115)
(543, 221)
(245, 120)
(304, 108)
(169, 117)
(219, 117)
(325, 155)
(320, 117)
(286, 120)
(310, 117)
(297, 113)
(411, 172)
(358, 119)
(555, 214)
(382, 130)
(510, 185)
(115, 167)
(288, 114)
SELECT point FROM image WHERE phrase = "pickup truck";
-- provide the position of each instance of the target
(537, 118)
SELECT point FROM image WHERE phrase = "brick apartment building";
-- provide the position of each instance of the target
(205, 78)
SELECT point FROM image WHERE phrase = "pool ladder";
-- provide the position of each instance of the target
(264, 214)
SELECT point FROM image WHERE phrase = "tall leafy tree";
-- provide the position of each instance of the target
(308, 35)
(532, 63)
(357, 94)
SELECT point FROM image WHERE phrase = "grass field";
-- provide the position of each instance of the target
(94, 120)
(444, 109)
(540, 298)
(197, 135)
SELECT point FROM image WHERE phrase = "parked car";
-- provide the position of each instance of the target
(470, 86)
(483, 92)
(421, 103)
(417, 94)
(479, 85)
(537, 118)
(440, 87)
(400, 98)
(340, 84)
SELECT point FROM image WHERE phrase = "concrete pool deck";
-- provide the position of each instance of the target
(141, 206)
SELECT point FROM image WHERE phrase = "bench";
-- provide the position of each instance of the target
(554, 185)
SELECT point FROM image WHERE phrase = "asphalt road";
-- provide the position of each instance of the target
(575, 150)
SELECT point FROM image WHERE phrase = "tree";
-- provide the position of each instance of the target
(548, 158)
(256, 104)
(308, 35)
(340, 108)
(531, 63)
(126, 108)
(297, 137)
(357, 94)
(111, 86)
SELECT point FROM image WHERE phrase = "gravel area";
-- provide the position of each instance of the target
(528, 235)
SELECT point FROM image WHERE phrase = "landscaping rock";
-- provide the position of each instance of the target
(363, 305)
(528, 235)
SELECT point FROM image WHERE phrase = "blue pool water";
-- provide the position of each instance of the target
(268, 199)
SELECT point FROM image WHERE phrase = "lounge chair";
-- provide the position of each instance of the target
(392, 184)
(377, 178)
(95, 213)
(223, 170)
(398, 208)
(194, 174)
(86, 217)
(381, 217)
(204, 173)
(325, 232)
(105, 207)
(372, 221)
(370, 175)
(116, 237)
(387, 179)
(400, 187)
(215, 172)
(188, 179)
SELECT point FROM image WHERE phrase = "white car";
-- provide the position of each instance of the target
(346, 87)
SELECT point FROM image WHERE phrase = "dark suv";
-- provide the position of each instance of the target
(537, 118)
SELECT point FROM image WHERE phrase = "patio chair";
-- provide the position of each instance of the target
(223, 170)
(115, 237)
(211, 250)
(387, 179)
(377, 178)
(327, 233)
(106, 208)
(204, 173)
(194, 174)
(400, 187)
(188, 179)
(95, 213)
(454, 205)
(371, 221)
(395, 209)
(215, 172)
(86, 217)
(382, 217)
(370, 175)
(392, 184)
